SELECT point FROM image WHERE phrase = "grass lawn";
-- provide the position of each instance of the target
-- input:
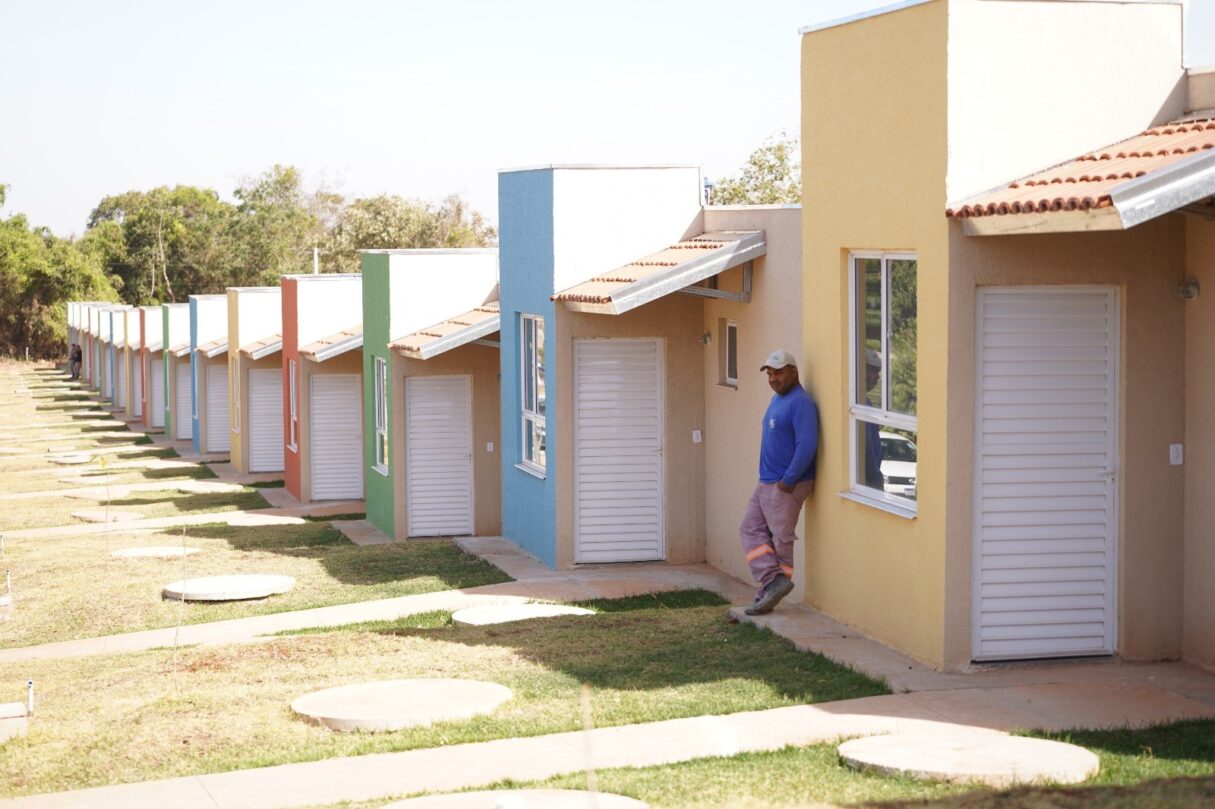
(40, 512)
(98, 477)
(68, 588)
(1166, 767)
(167, 713)
(9, 466)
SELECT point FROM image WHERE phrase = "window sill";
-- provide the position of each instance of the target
(727, 386)
(383, 470)
(531, 470)
(294, 448)
(896, 509)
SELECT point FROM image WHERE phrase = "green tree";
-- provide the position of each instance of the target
(39, 274)
(275, 227)
(389, 221)
(174, 242)
(772, 175)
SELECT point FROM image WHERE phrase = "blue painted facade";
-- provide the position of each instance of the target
(525, 254)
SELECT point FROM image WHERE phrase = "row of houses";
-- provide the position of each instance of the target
(590, 390)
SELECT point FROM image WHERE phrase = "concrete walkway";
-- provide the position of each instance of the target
(993, 699)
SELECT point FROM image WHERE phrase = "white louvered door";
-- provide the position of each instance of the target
(219, 420)
(156, 395)
(136, 365)
(120, 388)
(264, 420)
(439, 467)
(335, 433)
(618, 468)
(1046, 427)
(182, 426)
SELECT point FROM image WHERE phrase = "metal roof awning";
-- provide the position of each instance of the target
(334, 345)
(213, 348)
(473, 326)
(180, 350)
(677, 267)
(260, 349)
(1165, 169)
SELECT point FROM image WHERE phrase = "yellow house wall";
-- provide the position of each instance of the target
(480, 362)
(678, 321)
(773, 319)
(349, 363)
(875, 159)
(1199, 601)
(1145, 264)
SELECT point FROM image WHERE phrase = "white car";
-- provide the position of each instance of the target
(898, 465)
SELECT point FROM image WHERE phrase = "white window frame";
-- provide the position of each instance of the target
(380, 375)
(882, 416)
(293, 408)
(726, 327)
(529, 369)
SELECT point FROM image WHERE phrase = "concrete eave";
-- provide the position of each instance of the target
(477, 331)
(661, 284)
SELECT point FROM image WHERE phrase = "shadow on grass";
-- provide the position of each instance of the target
(198, 472)
(663, 641)
(351, 564)
(194, 503)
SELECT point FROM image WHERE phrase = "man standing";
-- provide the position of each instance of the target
(75, 355)
(787, 448)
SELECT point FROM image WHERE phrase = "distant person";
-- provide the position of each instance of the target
(75, 357)
(788, 444)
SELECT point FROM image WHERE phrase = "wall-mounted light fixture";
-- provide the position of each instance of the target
(1187, 290)
(706, 338)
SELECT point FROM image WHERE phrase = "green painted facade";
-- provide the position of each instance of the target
(376, 326)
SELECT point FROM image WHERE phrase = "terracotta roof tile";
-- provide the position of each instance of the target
(1085, 183)
(274, 341)
(212, 348)
(416, 343)
(319, 346)
(599, 289)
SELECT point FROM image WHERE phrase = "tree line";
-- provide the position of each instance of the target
(165, 244)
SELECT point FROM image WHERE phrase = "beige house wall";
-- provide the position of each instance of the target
(878, 156)
(482, 364)
(203, 364)
(773, 319)
(241, 364)
(1145, 265)
(678, 321)
(1198, 640)
(349, 363)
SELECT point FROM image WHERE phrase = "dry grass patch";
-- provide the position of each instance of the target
(164, 713)
(68, 588)
(42, 512)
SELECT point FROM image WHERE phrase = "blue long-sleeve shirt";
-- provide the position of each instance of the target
(790, 438)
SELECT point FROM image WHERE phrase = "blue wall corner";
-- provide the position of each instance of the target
(525, 255)
(195, 437)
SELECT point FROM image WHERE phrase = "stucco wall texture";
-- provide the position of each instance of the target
(481, 363)
(733, 415)
(1198, 625)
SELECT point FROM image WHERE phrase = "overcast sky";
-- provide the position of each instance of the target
(414, 98)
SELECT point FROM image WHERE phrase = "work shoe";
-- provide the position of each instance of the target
(776, 589)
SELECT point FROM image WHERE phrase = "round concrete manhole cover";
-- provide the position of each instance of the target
(522, 799)
(395, 704)
(106, 515)
(506, 613)
(71, 460)
(155, 552)
(994, 759)
(228, 588)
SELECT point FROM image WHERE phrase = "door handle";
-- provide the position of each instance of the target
(1109, 474)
